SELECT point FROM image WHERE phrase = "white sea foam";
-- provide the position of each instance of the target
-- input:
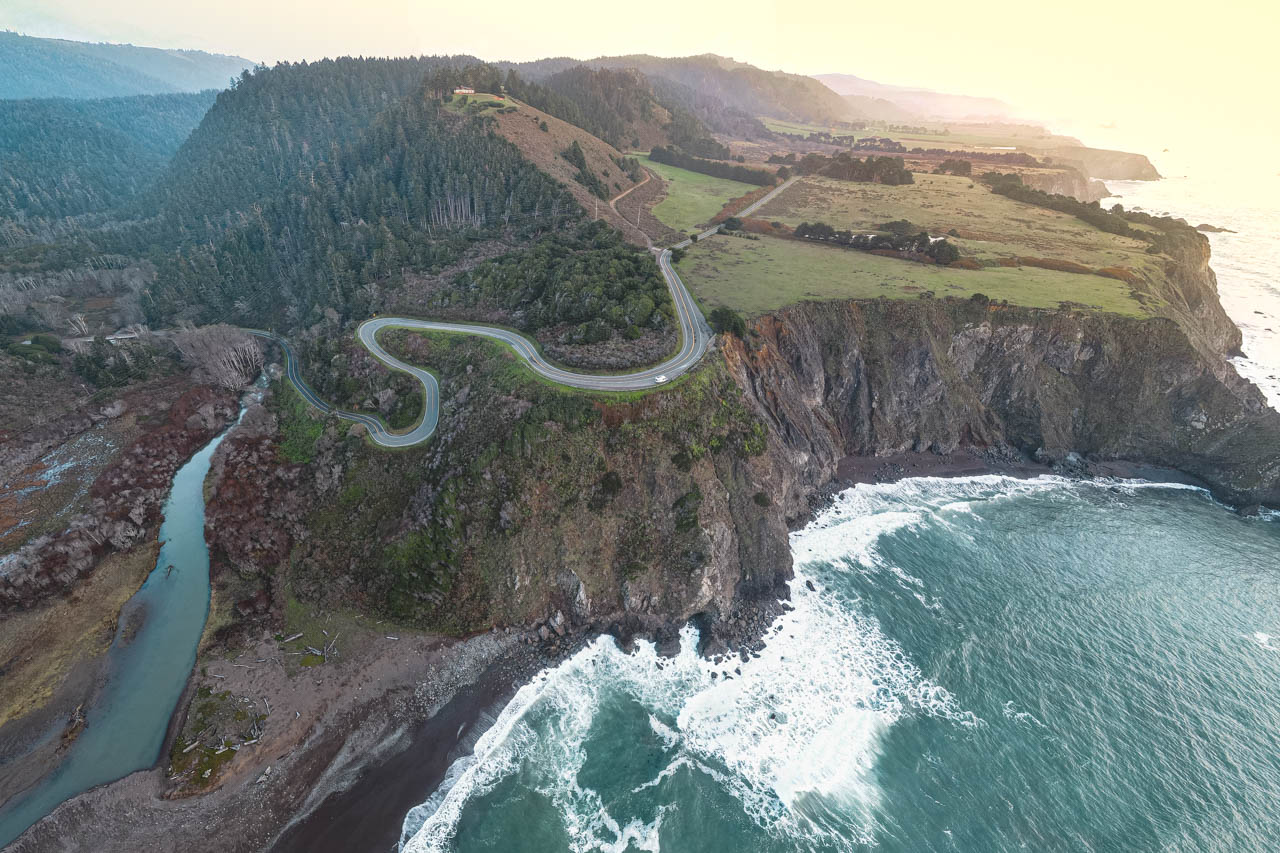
(793, 734)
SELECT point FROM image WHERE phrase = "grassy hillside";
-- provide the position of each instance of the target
(757, 276)
(545, 148)
(989, 226)
(692, 198)
(55, 68)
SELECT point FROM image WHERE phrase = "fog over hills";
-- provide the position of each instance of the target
(56, 68)
(923, 102)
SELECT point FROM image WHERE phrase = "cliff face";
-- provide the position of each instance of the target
(1066, 181)
(644, 513)
(1106, 164)
(1191, 289)
(637, 514)
(874, 378)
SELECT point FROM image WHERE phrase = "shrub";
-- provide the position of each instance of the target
(611, 483)
(761, 499)
(727, 321)
(944, 252)
(898, 226)
(955, 167)
(733, 223)
(49, 343)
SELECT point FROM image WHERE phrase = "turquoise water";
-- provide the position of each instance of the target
(982, 664)
(145, 673)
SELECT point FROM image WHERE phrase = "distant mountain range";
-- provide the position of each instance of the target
(878, 100)
(706, 80)
(54, 68)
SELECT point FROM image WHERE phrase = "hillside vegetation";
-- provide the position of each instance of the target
(54, 68)
(741, 86)
(62, 157)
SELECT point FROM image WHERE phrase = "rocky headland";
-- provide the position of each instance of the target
(536, 520)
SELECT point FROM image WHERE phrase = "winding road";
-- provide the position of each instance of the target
(695, 336)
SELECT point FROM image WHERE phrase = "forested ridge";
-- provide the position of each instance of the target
(403, 196)
(270, 129)
(309, 190)
(62, 157)
(743, 87)
(56, 68)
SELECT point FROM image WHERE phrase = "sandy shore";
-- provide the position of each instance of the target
(386, 718)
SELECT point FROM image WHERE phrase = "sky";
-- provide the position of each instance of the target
(1159, 73)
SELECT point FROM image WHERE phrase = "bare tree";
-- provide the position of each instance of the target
(226, 355)
(79, 326)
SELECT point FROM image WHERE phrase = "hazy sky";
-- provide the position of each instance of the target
(1170, 72)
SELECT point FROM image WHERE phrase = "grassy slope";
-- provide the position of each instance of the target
(692, 198)
(990, 226)
(544, 149)
(756, 276)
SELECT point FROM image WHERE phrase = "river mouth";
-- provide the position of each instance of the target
(973, 664)
(147, 665)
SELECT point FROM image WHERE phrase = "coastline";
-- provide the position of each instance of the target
(369, 757)
(855, 470)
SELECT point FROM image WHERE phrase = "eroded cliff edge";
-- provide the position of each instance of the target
(639, 514)
(874, 378)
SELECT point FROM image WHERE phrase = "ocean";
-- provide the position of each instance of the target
(976, 664)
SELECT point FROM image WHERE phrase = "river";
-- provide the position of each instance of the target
(147, 665)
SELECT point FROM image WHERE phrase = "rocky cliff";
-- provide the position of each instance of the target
(879, 377)
(1066, 181)
(640, 514)
(634, 514)
(1104, 163)
(125, 500)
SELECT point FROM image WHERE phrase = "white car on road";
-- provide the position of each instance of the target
(658, 380)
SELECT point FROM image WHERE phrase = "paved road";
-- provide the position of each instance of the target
(695, 336)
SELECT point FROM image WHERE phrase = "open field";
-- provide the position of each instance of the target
(481, 103)
(756, 276)
(692, 198)
(988, 226)
(937, 136)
